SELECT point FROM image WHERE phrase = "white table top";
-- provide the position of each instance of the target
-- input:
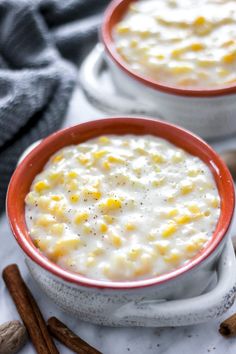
(198, 339)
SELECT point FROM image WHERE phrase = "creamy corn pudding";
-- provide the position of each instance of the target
(184, 43)
(122, 207)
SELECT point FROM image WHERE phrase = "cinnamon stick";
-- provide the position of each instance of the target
(61, 332)
(29, 311)
(228, 327)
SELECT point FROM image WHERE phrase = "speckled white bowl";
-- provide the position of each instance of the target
(148, 302)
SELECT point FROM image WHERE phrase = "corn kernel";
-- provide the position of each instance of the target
(106, 165)
(41, 186)
(57, 229)
(122, 29)
(44, 203)
(181, 69)
(197, 46)
(92, 193)
(104, 140)
(177, 52)
(207, 213)
(87, 228)
(83, 159)
(173, 257)
(162, 246)
(103, 227)
(57, 158)
(169, 230)
(130, 227)
(72, 174)
(184, 219)
(110, 204)
(98, 154)
(186, 187)
(74, 198)
(63, 247)
(56, 198)
(214, 203)
(193, 172)
(172, 212)
(114, 159)
(98, 251)
(228, 43)
(199, 21)
(116, 240)
(157, 158)
(133, 43)
(56, 177)
(191, 247)
(158, 182)
(193, 208)
(81, 217)
(72, 185)
(45, 220)
(109, 219)
(42, 244)
(229, 58)
(59, 210)
(177, 157)
(134, 253)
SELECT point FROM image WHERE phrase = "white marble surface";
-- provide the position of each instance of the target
(198, 339)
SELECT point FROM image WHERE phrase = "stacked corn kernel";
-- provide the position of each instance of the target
(182, 43)
(122, 207)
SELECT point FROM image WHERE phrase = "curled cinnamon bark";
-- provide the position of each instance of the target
(61, 332)
(29, 311)
(228, 327)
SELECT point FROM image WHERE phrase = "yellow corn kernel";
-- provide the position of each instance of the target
(177, 52)
(170, 198)
(87, 228)
(57, 158)
(122, 29)
(215, 203)
(193, 208)
(223, 72)
(162, 247)
(74, 198)
(42, 244)
(103, 227)
(141, 151)
(57, 229)
(44, 203)
(90, 261)
(114, 159)
(45, 220)
(193, 172)
(72, 174)
(106, 165)
(158, 182)
(160, 56)
(116, 240)
(130, 227)
(172, 213)
(41, 186)
(191, 247)
(59, 210)
(56, 198)
(63, 247)
(103, 140)
(110, 204)
(91, 193)
(107, 271)
(109, 219)
(134, 253)
(184, 219)
(207, 212)
(177, 157)
(186, 187)
(204, 63)
(173, 257)
(98, 154)
(169, 230)
(146, 265)
(72, 185)
(196, 46)
(228, 43)
(98, 251)
(133, 43)
(199, 21)
(30, 198)
(229, 58)
(157, 158)
(81, 218)
(181, 69)
(56, 177)
(83, 159)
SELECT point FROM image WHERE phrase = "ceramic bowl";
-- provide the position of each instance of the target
(100, 301)
(209, 113)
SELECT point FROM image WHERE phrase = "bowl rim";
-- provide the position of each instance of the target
(113, 12)
(216, 164)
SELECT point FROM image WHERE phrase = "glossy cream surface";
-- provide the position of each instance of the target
(122, 207)
(183, 43)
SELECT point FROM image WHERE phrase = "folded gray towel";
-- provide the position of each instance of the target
(37, 38)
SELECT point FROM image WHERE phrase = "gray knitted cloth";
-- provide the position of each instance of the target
(38, 39)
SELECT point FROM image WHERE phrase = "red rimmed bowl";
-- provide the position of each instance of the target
(208, 112)
(96, 300)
